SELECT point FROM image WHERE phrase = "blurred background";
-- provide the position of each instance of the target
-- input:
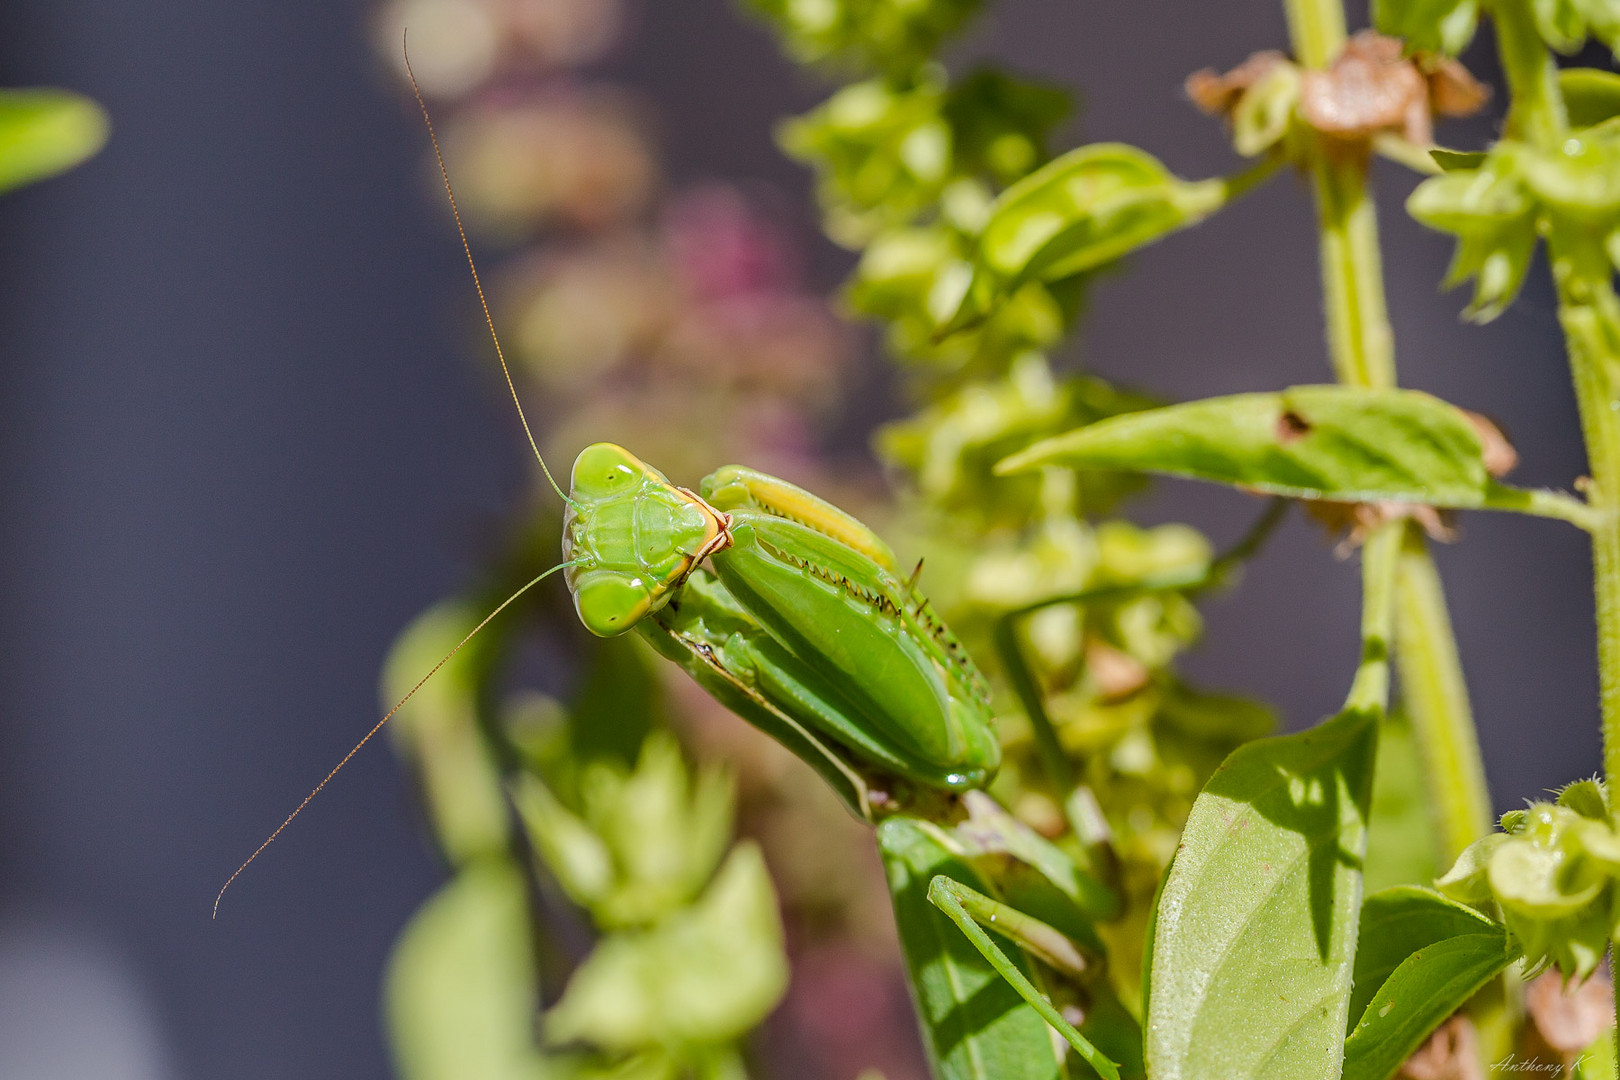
(247, 431)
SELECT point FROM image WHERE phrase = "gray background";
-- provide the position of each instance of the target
(241, 443)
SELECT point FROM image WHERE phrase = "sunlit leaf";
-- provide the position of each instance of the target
(706, 974)
(1086, 208)
(1314, 442)
(1256, 927)
(1400, 837)
(1481, 201)
(460, 992)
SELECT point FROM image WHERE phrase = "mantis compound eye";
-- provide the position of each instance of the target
(609, 603)
(603, 469)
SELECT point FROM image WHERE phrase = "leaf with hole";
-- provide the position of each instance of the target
(1312, 442)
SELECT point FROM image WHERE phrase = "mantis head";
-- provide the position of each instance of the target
(630, 538)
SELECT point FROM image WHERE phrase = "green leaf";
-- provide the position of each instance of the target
(1590, 94)
(974, 1025)
(1561, 23)
(1256, 927)
(576, 856)
(1398, 922)
(705, 975)
(1312, 442)
(1087, 208)
(1457, 160)
(1596, 1062)
(1262, 115)
(1422, 956)
(665, 829)
(882, 154)
(1578, 177)
(1432, 25)
(1486, 207)
(43, 132)
(460, 990)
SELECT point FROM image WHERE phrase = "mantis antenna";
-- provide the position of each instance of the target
(444, 174)
(533, 445)
(379, 725)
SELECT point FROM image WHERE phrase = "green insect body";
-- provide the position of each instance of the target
(630, 538)
(804, 616)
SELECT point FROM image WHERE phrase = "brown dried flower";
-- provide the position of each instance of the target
(1570, 1018)
(1358, 520)
(1371, 87)
(1500, 457)
(1218, 94)
(1449, 1054)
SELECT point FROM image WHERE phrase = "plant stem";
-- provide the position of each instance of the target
(1590, 316)
(1401, 589)
(1589, 313)
(1360, 341)
(1379, 555)
(1433, 689)
(1316, 30)
(1536, 112)
(1361, 346)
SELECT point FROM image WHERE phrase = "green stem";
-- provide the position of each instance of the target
(1370, 691)
(1397, 572)
(1432, 687)
(1362, 348)
(1589, 313)
(1536, 112)
(1360, 341)
(1316, 29)
(1542, 502)
(1054, 760)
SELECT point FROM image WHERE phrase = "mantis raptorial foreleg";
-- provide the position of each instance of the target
(972, 911)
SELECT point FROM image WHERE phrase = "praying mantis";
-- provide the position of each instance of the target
(792, 613)
(796, 616)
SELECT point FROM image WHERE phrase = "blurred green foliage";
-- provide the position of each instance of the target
(44, 132)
